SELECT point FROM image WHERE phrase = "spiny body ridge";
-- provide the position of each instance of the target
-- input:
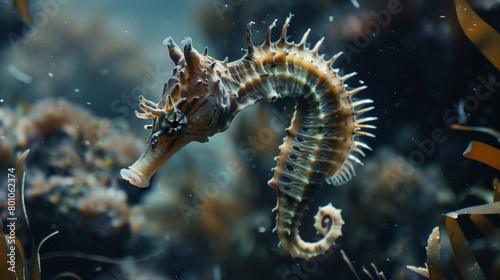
(321, 144)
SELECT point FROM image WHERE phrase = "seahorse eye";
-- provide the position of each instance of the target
(174, 124)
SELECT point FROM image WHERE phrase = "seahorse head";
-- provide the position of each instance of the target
(194, 106)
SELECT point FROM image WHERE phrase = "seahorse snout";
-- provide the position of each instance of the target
(134, 177)
(158, 150)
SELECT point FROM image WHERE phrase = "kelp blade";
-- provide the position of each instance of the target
(479, 32)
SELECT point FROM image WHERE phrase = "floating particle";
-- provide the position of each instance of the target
(51, 75)
(355, 3)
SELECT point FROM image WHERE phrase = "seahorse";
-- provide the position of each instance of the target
(322, 143)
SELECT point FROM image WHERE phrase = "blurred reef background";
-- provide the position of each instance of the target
(69, 83)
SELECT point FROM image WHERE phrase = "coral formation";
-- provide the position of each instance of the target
(71, 171)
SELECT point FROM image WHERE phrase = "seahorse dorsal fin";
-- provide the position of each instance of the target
(267, 42)
(282, 40)
(250, 50)
(304, 39)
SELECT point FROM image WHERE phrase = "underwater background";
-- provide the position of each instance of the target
(69, 86)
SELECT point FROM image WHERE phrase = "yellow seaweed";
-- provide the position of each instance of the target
(486, 130)
(420, 270)
(485, 225)
(483, 153)
(467, 263)
(434, 255)
(433, 268)
(22, 7)
(485, 209)
(486, 39)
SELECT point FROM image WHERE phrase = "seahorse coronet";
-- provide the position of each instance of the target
(321, 144)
